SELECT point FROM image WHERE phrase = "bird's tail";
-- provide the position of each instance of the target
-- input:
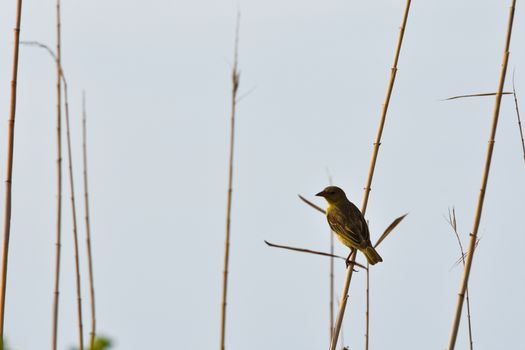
(372, 255)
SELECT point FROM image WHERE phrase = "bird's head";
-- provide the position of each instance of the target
(332, 194)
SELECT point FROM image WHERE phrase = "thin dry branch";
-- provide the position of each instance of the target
(389, 229)
(367, 310)
(476, 95)
(71, 183)
(42, 46)
(461, 259)
(58, 239)
(315, 206)
(9, 167)
(367, 189)
(453, 223)
(246, 94)
(74, 216)
(309, 251)
(481, 198)
(303, 250)
(332, 290)
(518, 115)
(235, 87)
(92, 332)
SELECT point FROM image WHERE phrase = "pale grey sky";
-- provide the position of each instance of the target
(157, 77)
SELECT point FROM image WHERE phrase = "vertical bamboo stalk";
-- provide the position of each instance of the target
(74, 214)
(481, 196)
(58, 244)
(235, 86)
(367, 189)
(384, 109)
(88, 227)
(9, 175)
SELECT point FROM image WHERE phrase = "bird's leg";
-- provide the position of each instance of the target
(348, 258)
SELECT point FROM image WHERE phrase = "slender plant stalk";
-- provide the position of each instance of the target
(384, 110)
(481, 197)
(304, 250)
(367, 312)
(344, 298)
(315, 206)
(476, 95)
(72, 186)
(309, 251)
(453, 223)
(9, 166)
(469, 318)
(235, 87)
(331, 283)
(92, 333)
(367, 189)
(332, 291)
(518, 116)
(58, 244)
(74, 214)
(343, 347)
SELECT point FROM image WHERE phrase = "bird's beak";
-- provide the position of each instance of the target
(320, 194)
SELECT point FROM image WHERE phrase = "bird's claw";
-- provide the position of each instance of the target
(348, 263)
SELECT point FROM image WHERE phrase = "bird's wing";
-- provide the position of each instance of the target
(360, 221)
(347, 225)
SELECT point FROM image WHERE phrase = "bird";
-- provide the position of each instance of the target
(348, 223)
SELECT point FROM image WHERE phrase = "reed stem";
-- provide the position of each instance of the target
(453, 223)
(71, 183)
(367, 189)
(74, 215)
(331, 283)
(235, 87)
(92, 332)
(332, 291)
(367, 312)
(518, 116)
(481, 196)
(9, 167)
(58, 244)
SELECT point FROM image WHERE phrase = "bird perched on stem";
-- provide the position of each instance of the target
(348, 224)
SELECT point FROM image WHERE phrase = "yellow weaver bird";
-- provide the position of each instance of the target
(348, 224)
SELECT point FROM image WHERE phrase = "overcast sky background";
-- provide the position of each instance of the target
(157, 78)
